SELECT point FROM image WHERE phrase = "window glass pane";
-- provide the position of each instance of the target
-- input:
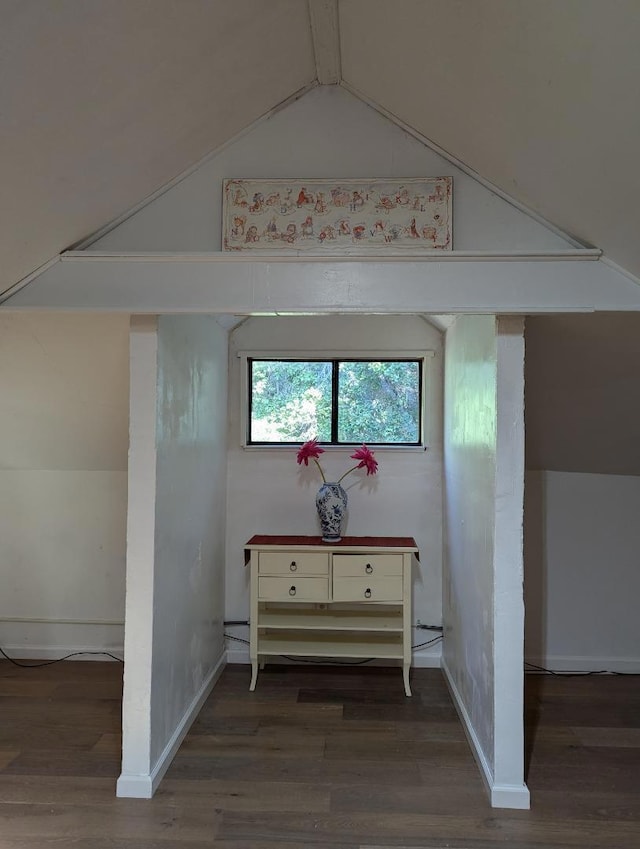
(290, 401)
(379, 402)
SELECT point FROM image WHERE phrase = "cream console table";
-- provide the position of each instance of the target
(350, 599)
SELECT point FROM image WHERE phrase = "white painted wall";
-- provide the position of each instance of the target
(270, 493)
(327, 133)
(483, 610)
(176, 537)
(582, 580)
(190, 515)
(583, 407)
(63, 482)
(470, 466)
(583, 461)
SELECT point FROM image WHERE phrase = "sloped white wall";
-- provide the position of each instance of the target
(583, 407)
(582, 580)
(327, 133)
(63, 482)
(583, 461)
(493, 82)
(270, 493)
(176, 538)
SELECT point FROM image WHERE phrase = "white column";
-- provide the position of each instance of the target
(135, 779)
(508, 789)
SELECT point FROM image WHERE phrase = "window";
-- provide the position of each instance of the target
(339, 401)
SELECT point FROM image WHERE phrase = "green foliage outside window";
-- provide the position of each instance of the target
(379, 402)
(375, 402)
(290, 401)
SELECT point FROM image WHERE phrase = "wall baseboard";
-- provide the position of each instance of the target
(134, 787)
(514, 796)
(144, 786)
(32, 652)
(579, 664)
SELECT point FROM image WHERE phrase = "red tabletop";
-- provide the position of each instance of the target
(260, 540)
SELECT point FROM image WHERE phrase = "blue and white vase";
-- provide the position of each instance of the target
(331, 502)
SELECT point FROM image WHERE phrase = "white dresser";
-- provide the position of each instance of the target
(350, 599)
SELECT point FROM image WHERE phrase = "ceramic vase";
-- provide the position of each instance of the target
(331, 502)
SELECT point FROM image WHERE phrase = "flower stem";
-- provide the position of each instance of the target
(348, 472)
(324, 480)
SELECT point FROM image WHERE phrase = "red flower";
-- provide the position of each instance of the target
(366, 459)
(309, 451)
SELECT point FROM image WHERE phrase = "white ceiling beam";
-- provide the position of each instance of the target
(325, 32)
(217, 283)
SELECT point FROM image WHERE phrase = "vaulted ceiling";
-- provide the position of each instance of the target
(102, 102)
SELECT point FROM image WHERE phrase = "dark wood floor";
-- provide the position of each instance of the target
(316, 757)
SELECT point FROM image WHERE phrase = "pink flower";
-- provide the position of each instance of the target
(366, 459)
(309, 451)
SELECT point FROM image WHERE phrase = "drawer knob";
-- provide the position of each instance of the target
(293, 566)
(368, 568)
(292, 591)
(367, 593)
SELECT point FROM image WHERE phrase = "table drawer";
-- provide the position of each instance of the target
(293, 589)
(367, 589)
(293, 563)
(376, 565)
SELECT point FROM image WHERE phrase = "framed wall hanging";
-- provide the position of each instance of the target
(337, 215)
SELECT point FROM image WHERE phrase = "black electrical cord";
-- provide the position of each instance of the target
(327, 662)
(237, 639)
(428, 643)
(533, 668)
(57, 660)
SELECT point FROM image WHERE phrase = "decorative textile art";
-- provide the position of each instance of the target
(337, 215)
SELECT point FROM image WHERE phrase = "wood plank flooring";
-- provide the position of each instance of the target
(315, 757)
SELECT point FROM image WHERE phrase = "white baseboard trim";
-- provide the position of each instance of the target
(421, 659)
(237, 655)
(577, 663)
(427, 660)
(514, 796)
(144, 786)
(134, 787)
(31, 652)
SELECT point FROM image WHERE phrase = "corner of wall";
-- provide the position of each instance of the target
(143, 786)
(513, 796)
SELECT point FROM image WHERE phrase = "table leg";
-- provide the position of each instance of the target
(405, 676)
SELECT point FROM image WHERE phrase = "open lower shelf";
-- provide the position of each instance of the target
(380, 620)
(308, 644)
